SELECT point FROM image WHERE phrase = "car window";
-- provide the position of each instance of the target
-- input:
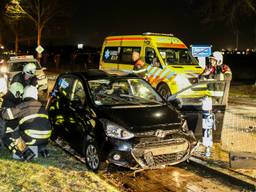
(63, 86)
(18, 66)
(111, 54)
(120, 91)
(151, 57)
(126, 54)
(78, 92)
(177, 56)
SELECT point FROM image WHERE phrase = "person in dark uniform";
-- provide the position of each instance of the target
(34, 127)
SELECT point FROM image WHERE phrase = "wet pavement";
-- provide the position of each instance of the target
(238, 135)
(184, 177)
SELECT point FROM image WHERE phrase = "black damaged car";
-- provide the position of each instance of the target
(118, 119)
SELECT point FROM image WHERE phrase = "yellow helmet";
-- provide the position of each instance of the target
(16, 89)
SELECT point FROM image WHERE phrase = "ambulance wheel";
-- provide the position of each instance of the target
(164, 90)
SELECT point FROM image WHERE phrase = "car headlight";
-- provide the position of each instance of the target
(116, 131)
(184, 126)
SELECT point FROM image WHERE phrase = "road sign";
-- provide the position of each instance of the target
(39, 49)
(201, 50)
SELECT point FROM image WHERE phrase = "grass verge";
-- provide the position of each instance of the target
(59, 172)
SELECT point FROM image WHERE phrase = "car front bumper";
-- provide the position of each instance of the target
(150, 153)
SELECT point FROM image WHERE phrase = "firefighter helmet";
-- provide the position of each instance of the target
(30, 92)
(16, 89)
(218, 57)
(29, 69)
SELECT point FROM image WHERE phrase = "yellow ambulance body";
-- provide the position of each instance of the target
(170, 66)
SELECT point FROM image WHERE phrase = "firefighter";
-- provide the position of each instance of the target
(222, 71)
(11, 99)
(34, 126)
(14, 95)
(215, 69)
(3, 84)
(27, 76)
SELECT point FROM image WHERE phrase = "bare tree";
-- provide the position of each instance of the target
(13, 14)
(40, 12)
(229, 11)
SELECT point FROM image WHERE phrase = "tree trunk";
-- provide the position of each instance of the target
(1, 37)
(17, 38)
(39, 34)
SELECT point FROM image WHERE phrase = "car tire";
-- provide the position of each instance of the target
(164, 90)
(92, 156)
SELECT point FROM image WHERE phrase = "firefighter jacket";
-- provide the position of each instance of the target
(10, 101)
(34, 126)
(20, 77)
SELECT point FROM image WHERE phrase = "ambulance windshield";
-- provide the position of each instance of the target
(177, 56)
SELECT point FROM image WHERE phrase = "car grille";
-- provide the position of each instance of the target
(161, 152)
(166, 158)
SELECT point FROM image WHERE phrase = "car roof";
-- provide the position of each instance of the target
(91, 74)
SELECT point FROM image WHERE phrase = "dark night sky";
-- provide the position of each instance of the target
(94, 20)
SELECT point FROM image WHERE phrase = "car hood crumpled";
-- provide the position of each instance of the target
(139, 119)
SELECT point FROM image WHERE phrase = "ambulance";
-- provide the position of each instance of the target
(170, 67)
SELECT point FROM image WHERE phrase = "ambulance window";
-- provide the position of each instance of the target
(111, 54)
(126, 54)
(151, 58)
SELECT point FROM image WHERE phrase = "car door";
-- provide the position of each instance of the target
(78, 124)
(59, 102)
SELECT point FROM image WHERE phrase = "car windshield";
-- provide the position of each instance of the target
(124, 91)
(177, 56)
(18, 66)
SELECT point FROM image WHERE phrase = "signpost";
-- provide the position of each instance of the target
(201, 52)
(39, 50)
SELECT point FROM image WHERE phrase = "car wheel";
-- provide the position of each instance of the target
(164, 90)
(92, 156)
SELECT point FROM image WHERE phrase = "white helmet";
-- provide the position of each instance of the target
(16, 89)
(30, 92)
(29, 69)
(218, 56)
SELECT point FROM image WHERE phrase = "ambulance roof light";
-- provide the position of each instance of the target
(158, 34)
